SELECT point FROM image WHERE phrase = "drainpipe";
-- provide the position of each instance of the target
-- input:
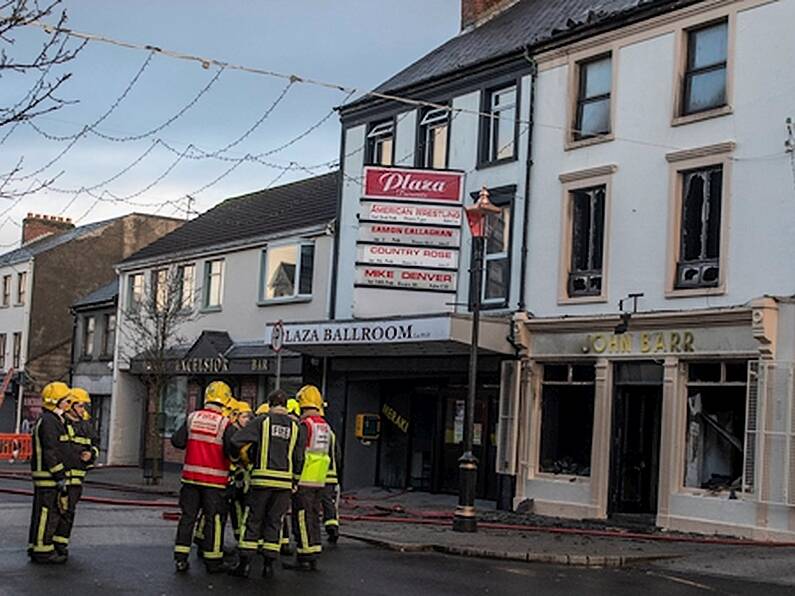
(336, 249)
(533, 72)
(72, 347)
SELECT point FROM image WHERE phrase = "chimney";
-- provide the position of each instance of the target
(476, 12)
(35, 227)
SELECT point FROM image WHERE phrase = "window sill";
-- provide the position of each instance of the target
(705, 115)
(598, 140)
(483, 165)
(292, 300)
(501, 305)
(5, 306)
(694, 292)
(562, 478)
(210, 309)
(564, 300)
(689, 491)
(19, 304)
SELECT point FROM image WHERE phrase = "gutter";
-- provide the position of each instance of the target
(527, 194)
(335, 253)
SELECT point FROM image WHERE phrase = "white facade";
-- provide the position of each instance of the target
(14, 326)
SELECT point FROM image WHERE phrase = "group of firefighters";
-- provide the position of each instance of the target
(258, 467)
(273, 473)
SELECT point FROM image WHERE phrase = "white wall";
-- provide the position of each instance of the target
(761, 254)
(14, 318)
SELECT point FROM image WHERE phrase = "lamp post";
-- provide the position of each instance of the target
(464, 519)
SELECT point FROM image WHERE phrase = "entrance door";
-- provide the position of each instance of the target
(636, 448)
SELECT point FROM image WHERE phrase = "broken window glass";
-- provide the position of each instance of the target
(699, 260)
(587, 241)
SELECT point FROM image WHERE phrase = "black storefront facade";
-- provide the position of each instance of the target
(412, 374)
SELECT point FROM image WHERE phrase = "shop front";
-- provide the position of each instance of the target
(410, 373)
(660, 424)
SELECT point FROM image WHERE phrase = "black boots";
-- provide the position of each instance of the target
(267, 569)
(181, 566)
(242, 569)
(333, 533)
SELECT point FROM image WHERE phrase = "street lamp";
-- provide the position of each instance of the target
(464, 519)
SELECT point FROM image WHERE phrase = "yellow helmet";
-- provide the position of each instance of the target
(81, 396)
(309, 397)
(243, 407)
(53, 393)
(230, 409)
(263, 409)
(218, 393)
(293, 407)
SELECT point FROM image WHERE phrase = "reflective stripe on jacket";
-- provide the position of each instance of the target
(273, 467)
(316, 459)
(205, 460)
(332, 478)
(47, 458)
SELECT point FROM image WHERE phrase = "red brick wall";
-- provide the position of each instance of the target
(36, 226)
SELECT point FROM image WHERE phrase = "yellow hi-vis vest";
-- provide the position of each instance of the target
(316, 458)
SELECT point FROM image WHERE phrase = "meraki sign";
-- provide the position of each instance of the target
(652, 342)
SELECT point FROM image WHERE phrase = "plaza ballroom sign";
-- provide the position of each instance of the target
(365, 332)
(412, 185)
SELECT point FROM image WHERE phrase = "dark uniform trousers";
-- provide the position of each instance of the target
(213, 504)
(328, 501)
(306, 522)
(44, 521)
(66, 521)
(262, 525)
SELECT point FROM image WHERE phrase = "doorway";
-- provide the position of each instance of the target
(635, 452)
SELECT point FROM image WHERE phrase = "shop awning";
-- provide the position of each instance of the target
(436, 335)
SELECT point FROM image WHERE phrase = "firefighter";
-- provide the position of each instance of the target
(80, 453)
(50, 490)
(312, 479)
(294, 410)
(239, 472)
(206, 437)
(330, 498)
(275, 446)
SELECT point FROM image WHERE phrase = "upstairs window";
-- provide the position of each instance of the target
(22, 287)
(89, 329)
(136, 290)
(213, 283)
(161, 290)
(6, 290)
(593, 98)
(587, 209)
(381, 144)
(432, 139)
(109, 335)
(497, 253)
(187, 286)
(287, 271)
(2, 351)
(700, 230)
(704, 81)
(17, 349)
(499, 129)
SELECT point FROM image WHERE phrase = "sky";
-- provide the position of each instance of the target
(356, 43)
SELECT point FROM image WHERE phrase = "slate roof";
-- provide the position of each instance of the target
(297, 205)
(101, 295)
(528, 22)
(37, 247)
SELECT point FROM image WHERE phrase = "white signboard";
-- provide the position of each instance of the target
(398, 233)
(366, 332)
(407, 256)
(375, 276)
(442, 215)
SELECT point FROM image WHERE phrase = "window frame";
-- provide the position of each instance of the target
(16, 356)
(88, 337)
(3, 348)
(206, 306)
(108, 348)
(575, 75)
(679, 117)
(485, 127)
(572, 182)
(502, 196)
(690, 71)
(422, 141)
(181, 269)
(262, 299)
(22, 288)
(156, 288)
(6, 291)
(371, 141)
(680, 163)
(134, 302)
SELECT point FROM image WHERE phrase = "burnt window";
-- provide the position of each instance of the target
(432, 139)
(498, 131)
(567, 410)
(593, 98)
(381, 143)
(705, 70)
(699, 243)
(587, 241)
(716, 414)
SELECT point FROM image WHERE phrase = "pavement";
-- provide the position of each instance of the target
(419, 524)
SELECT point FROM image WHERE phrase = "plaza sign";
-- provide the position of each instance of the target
(365, 332)
(412, 185)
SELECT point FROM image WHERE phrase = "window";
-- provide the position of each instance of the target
(213, 283)
(567, 410)
(109, 335)
(716, 412)
(136, 290)
(17, 350)
(496, 257)
(499, 130)
(593, 98)
(22, 287)
(174, 404)
(187, 281)
(160, 289)
(704, 82)
(700, 229)
(6, 290)
(381, 143)
(432, 139)
(89, 329)
(2, 351)
(587, 209)
(287, 271)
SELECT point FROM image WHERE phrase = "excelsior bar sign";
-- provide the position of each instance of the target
(395, 233)
(412, 185)
(399, 278)
(407, 256)
(440, 215)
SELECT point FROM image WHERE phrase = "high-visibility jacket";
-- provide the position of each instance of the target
(275, 449)
(332, 477)
(206, 462)
(48, 445)
(316, 458)
(80, 437)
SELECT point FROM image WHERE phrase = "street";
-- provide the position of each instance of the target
(129, 550)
